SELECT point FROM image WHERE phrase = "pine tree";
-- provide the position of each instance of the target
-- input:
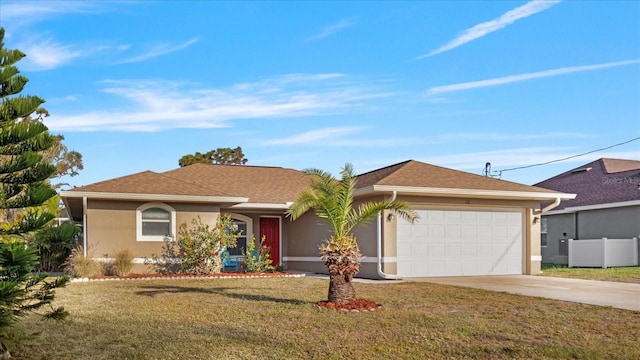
(24, 187)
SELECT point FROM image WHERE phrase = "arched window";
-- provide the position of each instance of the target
(245, 224)
(155, 222)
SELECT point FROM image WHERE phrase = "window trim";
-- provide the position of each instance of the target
(248, 222)
(544, 230)
(163, 206)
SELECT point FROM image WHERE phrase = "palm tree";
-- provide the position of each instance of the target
(332, 200)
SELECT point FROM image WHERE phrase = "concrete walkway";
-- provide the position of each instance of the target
(604, 293)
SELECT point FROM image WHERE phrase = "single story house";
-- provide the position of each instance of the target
(607, 204)
(469, 224)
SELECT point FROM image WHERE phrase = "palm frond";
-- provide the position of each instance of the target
(332, 200)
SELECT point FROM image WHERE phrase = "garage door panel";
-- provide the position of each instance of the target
(420, 250)
(436, 230)
(404, 231)
(484, 231)
(420, 231)
(436, 249)
(469, 231)
(458, 243)
(453, 231)
(454, 249)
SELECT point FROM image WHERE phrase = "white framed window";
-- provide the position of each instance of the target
(155, 222)
(543, 231)
(245, 225)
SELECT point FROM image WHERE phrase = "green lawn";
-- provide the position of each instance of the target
(621, 274)
(273, 318)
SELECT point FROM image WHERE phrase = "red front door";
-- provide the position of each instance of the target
(270, 229)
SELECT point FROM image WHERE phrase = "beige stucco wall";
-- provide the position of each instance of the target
(306, 233)
(111, 226)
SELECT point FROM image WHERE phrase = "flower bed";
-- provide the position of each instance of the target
(156, 276)
(356, 305)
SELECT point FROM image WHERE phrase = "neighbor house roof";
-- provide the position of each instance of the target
(604, 181)
(414, 177)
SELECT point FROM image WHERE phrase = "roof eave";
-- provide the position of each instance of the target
(464, 193)
(262, 206)
(153, 197)
(574, 209)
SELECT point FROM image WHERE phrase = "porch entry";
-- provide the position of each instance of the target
(270, 229)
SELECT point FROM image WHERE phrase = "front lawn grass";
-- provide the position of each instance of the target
(273, 318)
(620, 274)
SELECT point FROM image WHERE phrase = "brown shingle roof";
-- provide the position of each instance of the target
(149, 182)
(276, 185)
(418, 174)
(603, 181)
(260, 184)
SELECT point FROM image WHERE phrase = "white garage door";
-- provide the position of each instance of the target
(460, 243)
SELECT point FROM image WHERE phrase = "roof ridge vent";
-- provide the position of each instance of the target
(581, 170)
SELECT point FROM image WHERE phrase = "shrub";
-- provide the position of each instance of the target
(80, 265)
(257, 260)
(197, 248)
(123, 262)
(22, 292)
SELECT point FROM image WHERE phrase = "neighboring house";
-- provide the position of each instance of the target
(607, 205)
(469, 224)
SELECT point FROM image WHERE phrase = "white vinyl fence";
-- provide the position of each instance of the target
(603, 252)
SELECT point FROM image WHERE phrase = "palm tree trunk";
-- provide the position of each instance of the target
(340, 282)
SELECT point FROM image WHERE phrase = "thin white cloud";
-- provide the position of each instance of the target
(159, 50)
(14, 14)
(48, 54)
(332, 29)
(523, 77)
(510, 137)
(482, 29)
(342, 136)
(317, 136)
(37, 9)
(515, 157)
(160, 105)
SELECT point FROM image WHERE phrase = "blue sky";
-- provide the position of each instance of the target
(135, 85)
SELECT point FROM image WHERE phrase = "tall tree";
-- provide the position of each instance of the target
(222, 156)
(67, 162)
(24, 185)
(332, 200)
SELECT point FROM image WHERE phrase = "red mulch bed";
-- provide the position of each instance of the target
(354, 305)
(182, 276)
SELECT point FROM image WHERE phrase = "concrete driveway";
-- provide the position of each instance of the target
(604, 293)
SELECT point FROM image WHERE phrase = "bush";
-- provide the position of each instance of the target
(197, 249)
(54, 245)
(257, 260)
(123, 262)
(80, 265)
(23, 292)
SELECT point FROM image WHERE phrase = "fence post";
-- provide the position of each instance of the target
(635, 250)
(570, 252)
(604, 252)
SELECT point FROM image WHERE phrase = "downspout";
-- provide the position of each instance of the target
(84, 225)
(379, 241)
(553, 205)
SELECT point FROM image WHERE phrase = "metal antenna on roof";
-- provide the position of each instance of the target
(487, 169)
